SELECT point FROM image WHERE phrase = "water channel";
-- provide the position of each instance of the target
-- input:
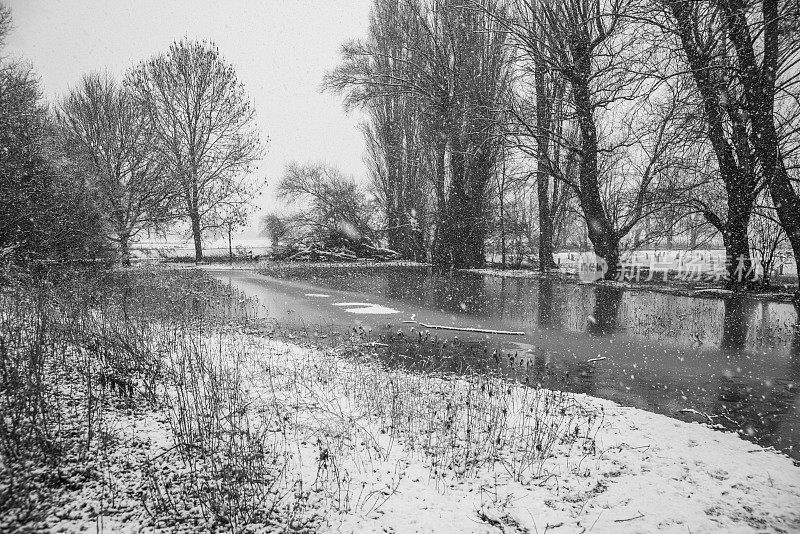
(731, 361)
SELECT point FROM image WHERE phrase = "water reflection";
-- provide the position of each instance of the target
(733, 325)
(607, 303)
(546, 302)
(794, 347)
(736, 323)
(461, 294)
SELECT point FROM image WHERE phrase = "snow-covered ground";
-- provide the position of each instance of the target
(369, 449)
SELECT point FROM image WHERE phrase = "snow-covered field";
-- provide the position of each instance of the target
(342, 444)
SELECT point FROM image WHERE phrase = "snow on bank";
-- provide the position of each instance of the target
(649, 473)
(389, 451)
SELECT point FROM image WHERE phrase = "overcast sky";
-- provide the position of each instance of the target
(280, 49)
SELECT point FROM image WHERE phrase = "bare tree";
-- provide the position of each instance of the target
(536, 103)
(276, 229)
(228, 217)
(584, 53)
(331, 205)
(204, 129)
(766, 237)
(719, 96)
(398, 154)
(767, 45)
(111, 132)
(454, 69)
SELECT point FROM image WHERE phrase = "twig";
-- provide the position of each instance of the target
(596, 520)
(629, 518)
(696, 412)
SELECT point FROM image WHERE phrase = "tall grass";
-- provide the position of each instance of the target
(235, 469)
(261, 434)
(72, 344)
(349, 417)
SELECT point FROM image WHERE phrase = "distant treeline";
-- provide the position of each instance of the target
(85, 176)
(527, 126)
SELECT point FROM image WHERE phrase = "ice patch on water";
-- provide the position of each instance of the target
(366, 308)
(372, 309)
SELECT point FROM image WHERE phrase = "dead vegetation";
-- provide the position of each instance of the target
(246, 432)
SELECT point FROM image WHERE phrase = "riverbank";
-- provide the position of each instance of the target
(675, 287)
(353, 447)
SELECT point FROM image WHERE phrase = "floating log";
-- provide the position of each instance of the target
(476, 330)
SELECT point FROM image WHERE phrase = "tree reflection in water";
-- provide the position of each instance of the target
(545, 302)
(738, 314)
(604, 319)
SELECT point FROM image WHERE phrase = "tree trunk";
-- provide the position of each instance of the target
(502, 224)
(766, 272)
(736, 241)
(737, 249)
(230, 246)
(693, 233)
(741, 186)
(545, 223)
(599, 228)
(637, 238)
(440, 251)
(787, 205)
(196, 233)
(476, 230)
(462, 227)
(543, 121)
(124, 250)
(759, 88)
(392, 220)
